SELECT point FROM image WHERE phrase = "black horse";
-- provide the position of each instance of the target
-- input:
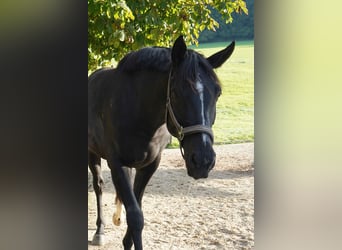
(133, 109)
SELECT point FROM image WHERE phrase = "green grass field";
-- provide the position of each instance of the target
(235, 107)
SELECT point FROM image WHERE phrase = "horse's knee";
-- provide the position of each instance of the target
(135, 219)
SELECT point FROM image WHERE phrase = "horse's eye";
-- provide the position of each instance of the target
(218, 92)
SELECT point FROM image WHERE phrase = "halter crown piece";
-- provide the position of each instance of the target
(183, 131)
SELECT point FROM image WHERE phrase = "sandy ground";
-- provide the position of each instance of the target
(184, 214)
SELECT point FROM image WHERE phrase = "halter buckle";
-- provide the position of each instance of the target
(180, 134)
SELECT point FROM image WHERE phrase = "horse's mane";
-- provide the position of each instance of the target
(159, 59)
(149, 58)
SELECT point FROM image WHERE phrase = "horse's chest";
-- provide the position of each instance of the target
(141, 159)
(138, 157)
(140, 152)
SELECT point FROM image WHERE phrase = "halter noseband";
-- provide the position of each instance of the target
(181, 132)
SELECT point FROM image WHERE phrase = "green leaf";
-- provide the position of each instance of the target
(116, 27)
(122, 35)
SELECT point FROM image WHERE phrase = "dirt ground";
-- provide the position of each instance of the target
(184, 214)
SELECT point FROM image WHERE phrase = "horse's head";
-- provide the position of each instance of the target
(193, 90)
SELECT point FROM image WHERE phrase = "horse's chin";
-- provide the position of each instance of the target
(196, 175)
(198, 172)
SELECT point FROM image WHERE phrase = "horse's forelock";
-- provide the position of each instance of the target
(188, 70)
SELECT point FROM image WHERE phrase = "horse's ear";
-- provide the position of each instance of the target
(178, 51)
(220, 57)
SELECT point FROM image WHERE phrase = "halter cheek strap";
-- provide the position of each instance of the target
(181, 132)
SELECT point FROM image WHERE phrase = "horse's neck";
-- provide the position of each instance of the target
(155, 99)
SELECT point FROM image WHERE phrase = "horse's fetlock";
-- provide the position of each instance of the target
(100, 182)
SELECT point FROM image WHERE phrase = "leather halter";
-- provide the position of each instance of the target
(183, 131)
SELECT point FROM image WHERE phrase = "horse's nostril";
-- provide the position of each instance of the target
(205, 162)
(211, 165)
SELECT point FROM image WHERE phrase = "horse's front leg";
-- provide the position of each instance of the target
(142, 177)
(118, 202)
(95, 167)
(134, 216)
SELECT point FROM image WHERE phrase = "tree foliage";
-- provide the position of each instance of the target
(241, 29)
(116, 27)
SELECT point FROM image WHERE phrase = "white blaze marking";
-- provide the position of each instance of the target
(199, 88)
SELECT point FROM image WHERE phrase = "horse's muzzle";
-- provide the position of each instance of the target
(199, 166)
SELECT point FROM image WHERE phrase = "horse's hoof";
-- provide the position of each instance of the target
(116, 220)
(98, 240)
